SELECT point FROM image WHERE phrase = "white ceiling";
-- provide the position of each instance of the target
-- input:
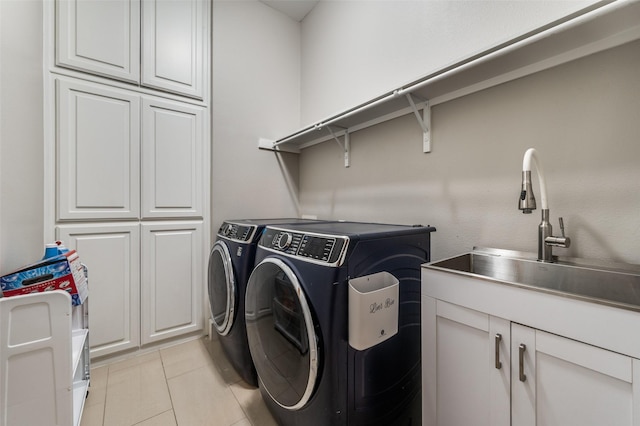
(295, 9)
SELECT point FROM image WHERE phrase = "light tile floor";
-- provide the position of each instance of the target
(191, 384)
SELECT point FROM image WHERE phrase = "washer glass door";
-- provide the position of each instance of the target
(222, 288)
(280, 333)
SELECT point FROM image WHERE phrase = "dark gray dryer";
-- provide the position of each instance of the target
(297, 324)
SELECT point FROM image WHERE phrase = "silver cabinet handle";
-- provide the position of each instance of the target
(523, 348)
(497, 347)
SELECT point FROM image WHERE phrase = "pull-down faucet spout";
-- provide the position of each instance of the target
(527, 203)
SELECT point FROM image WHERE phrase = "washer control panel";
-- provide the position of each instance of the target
(237, 232)
(325, 249)
(318, 248)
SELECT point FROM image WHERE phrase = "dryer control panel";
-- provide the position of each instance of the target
(237, 232)
(318, 248)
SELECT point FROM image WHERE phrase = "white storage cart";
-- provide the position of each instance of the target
(44, 359)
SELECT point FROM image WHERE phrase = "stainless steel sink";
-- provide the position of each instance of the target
(611, 284)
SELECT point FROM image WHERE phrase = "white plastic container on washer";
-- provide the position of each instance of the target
(373, 309)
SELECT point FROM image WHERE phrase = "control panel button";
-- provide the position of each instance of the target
(227, 229)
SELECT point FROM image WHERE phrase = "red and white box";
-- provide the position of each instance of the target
(61, 272)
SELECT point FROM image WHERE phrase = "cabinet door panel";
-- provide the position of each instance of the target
(99, 37)
(173, 45)
(171, 279)
(112, 254)
(172, 160)
(98, 152)
(462, 374)
(581, 384)
(569, 382)
(460, 364)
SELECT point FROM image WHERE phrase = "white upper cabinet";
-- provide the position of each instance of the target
(173, 40)
(98, 151)
(122, 155)
(172, 171)
(101, 37)
(157, 44)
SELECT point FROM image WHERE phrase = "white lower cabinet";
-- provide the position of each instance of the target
(146, 280)
(171, 279)
(564, 382)
(112, 253)
(462, 385)
(480, 369)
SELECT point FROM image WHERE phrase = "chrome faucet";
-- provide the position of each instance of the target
(527, 203)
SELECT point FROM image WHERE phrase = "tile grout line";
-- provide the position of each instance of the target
(166, 382)
(228, 386)
(136, 365)
(106, 393)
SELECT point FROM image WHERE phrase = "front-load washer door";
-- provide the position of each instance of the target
(222, 288)
(280, 332)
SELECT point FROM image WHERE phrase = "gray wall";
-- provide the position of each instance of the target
(353, 51)
(256, 85)
(583, 118)
(21, 133)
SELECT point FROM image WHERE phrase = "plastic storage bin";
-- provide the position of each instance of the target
(373, 309)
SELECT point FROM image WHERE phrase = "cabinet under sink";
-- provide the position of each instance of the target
(496, 351)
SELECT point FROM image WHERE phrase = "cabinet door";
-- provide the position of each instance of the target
(172, 159)
(172, 276)
(99, 37)
(465, 366)
(565, 382)
(173, 52)
(112, 255)
(98, 152)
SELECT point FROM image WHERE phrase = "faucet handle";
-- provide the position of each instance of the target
(562, 241)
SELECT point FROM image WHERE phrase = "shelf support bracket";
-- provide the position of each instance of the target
(346, 147)
(424, 121)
